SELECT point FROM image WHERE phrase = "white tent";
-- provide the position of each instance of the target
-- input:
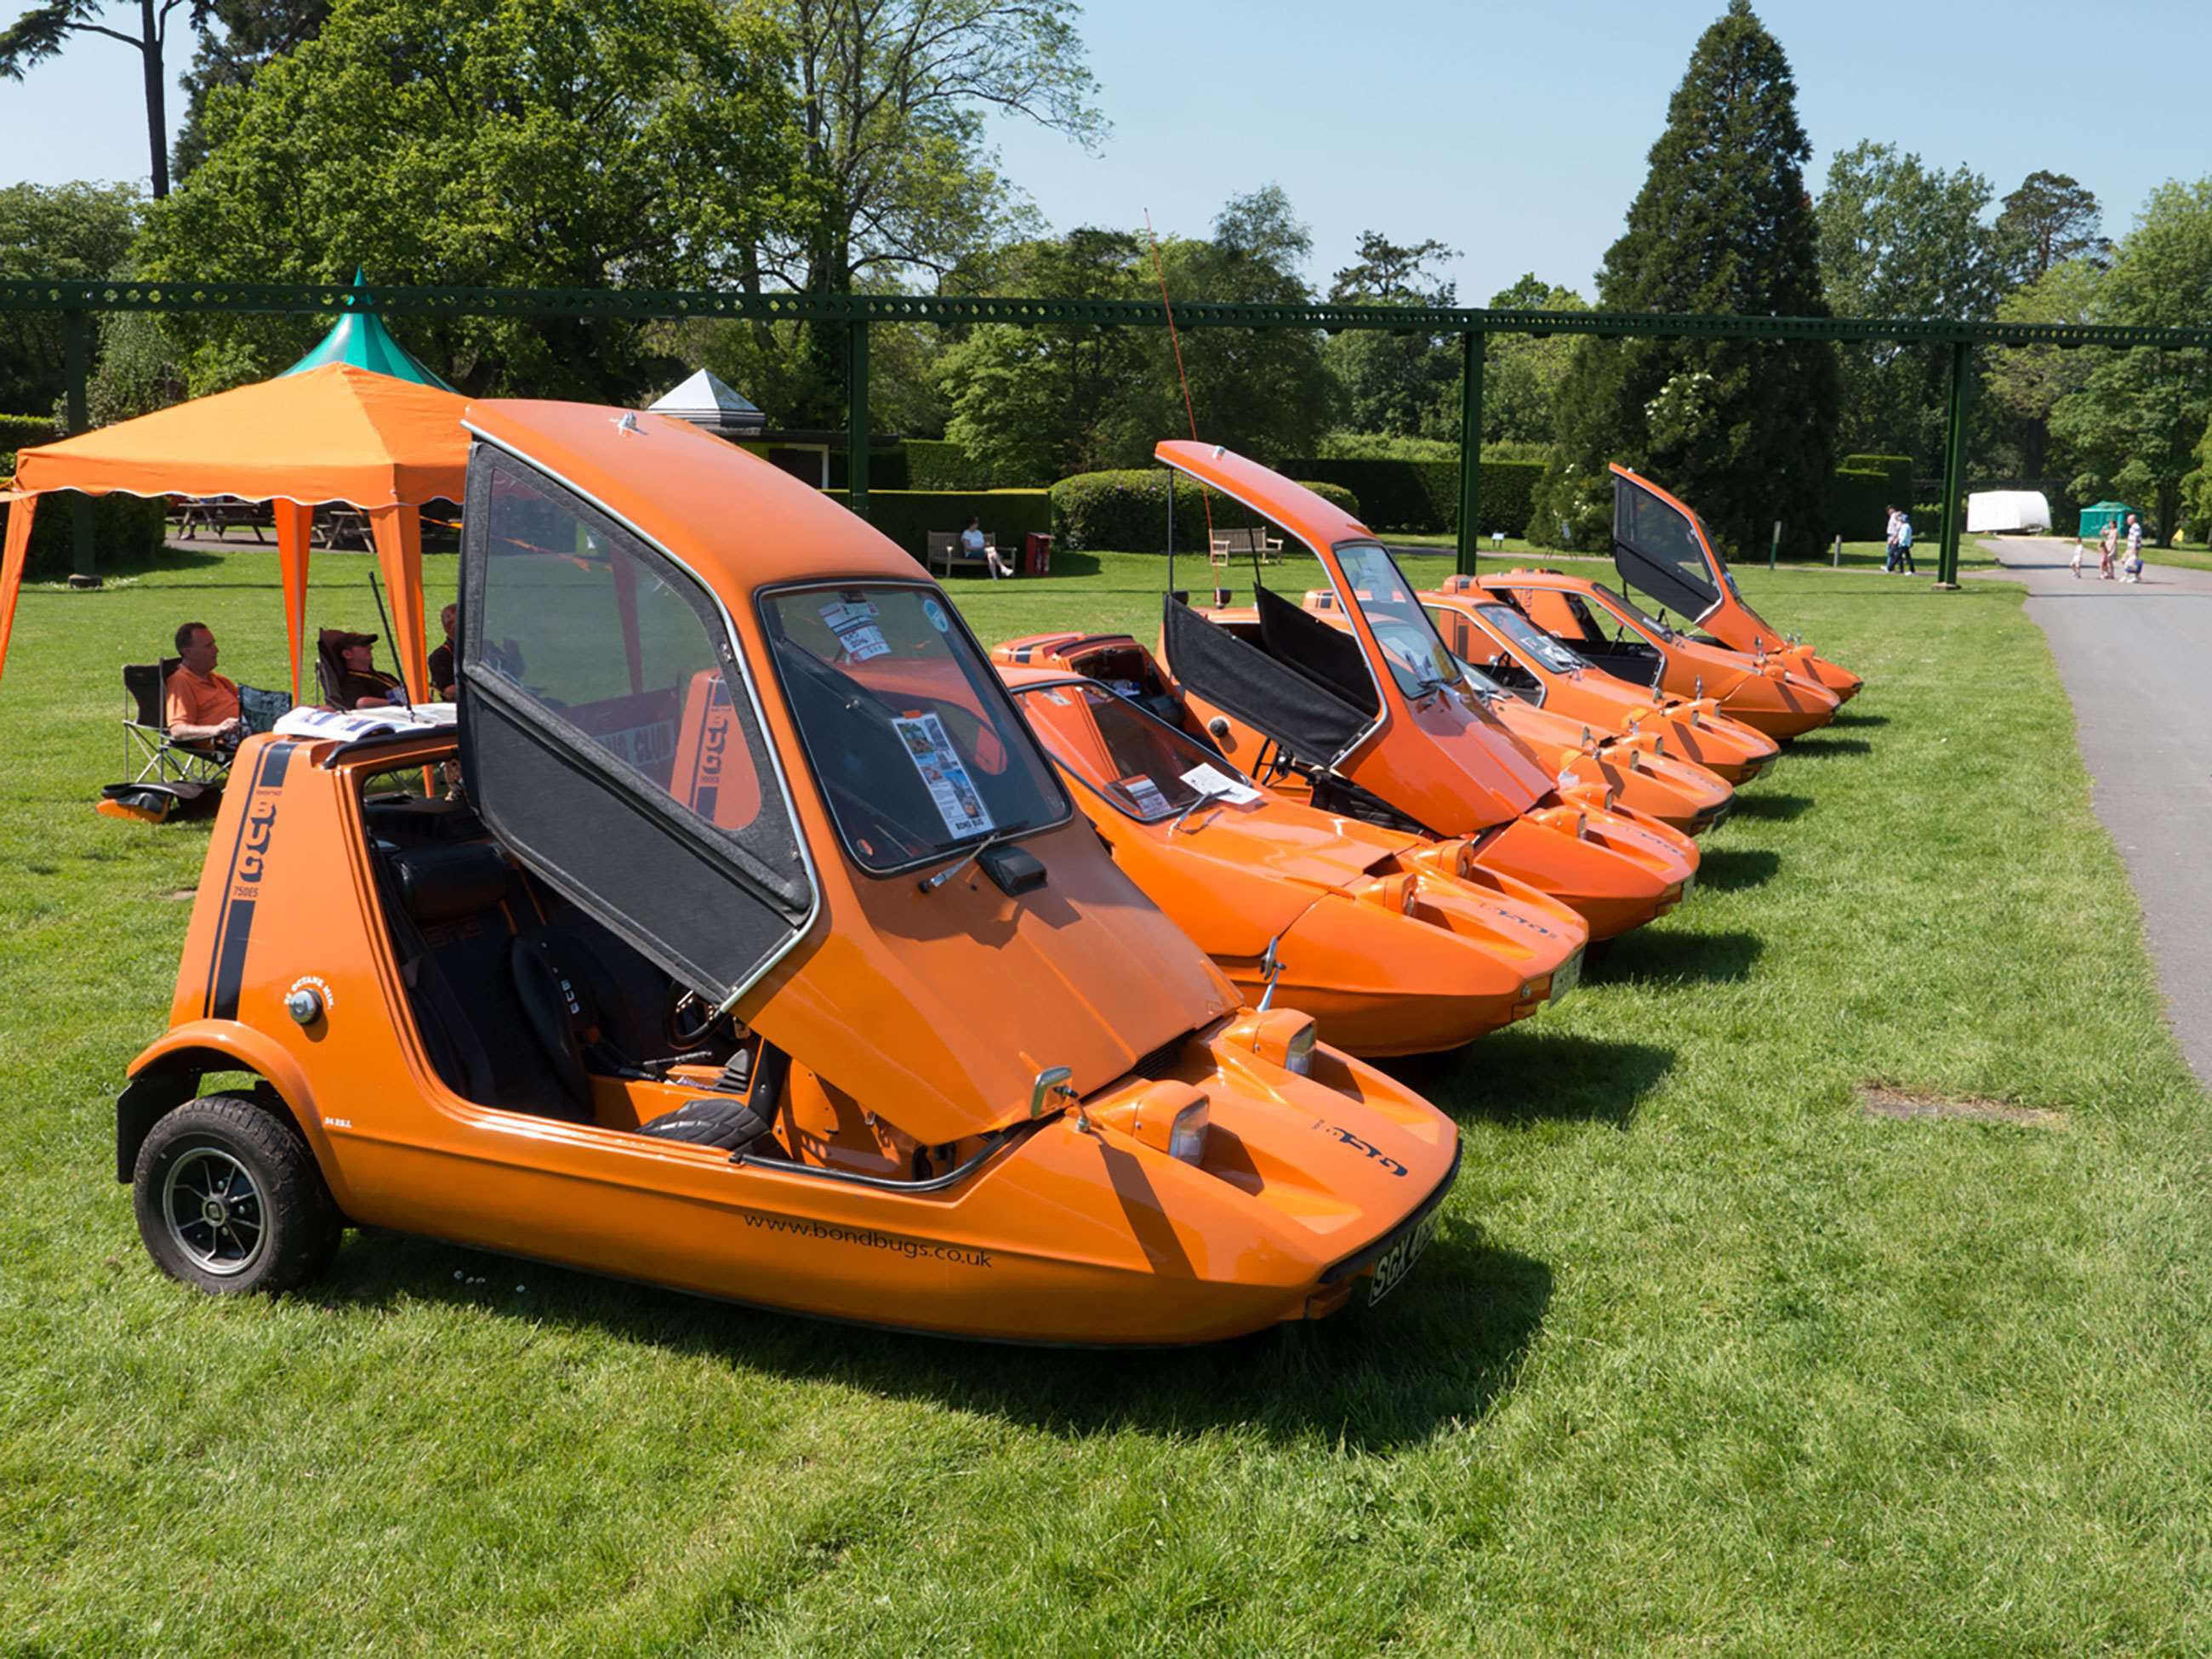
(2007, 509)
(706, 399)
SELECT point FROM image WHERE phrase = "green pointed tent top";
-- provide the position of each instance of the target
(361, 338)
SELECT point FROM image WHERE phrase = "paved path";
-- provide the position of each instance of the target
(2137, 662)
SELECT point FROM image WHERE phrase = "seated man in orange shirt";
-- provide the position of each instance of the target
(199, 705)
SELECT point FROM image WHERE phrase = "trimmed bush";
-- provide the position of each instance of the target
(940, 463)
(887, 469)
(23, 431)
(1424, 496)
(125, 530)
(1896, 469)
(908, 516)
(1127, 510)
(1858, 503)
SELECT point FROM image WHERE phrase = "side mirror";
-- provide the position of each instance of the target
(1051, 1085)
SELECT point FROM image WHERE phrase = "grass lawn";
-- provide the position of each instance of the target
(1856, 556)
(1703, 1359)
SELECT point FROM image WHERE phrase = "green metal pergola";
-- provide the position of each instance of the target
(77, 301)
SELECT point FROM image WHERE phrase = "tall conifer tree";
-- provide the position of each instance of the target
(1739, 428)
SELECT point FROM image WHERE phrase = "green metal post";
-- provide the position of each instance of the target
(1954, 469)
(856, 417)
(84, 561)
(1470, 450)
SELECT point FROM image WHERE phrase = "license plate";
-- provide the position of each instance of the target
(1398, 1261)
(1568, 975)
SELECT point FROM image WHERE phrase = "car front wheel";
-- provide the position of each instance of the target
(228, 1198)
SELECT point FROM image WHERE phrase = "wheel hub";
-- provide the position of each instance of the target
(212, 1211)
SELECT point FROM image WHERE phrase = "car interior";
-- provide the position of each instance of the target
(1625, 654)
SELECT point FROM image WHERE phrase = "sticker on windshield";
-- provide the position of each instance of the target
(1208, 781)
(1146, 794)
(944, 775)
(935, 612)
(854, 623)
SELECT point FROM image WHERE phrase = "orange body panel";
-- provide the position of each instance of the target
(1390, 941)
(1653, 721)
(919, 1025)
(1735, 625)
(1760, 692)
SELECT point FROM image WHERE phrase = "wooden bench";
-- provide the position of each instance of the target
(945, 550)
(1243, 543)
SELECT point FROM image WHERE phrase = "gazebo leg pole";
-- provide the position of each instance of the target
(856, 416)
(84, 562)
(1470, 450)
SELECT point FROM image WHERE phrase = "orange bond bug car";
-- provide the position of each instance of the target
(1660, 548)
(1610, 634)
(1507, 648)
(1389, 732)
(1395, 944)
(764, 958)
(1587, 765)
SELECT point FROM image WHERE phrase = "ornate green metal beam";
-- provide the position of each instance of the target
(646, 304)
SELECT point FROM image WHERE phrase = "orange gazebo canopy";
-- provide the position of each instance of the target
(336, 433)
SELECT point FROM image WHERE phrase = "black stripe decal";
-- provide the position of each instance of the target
(230, 962)
(242, 885)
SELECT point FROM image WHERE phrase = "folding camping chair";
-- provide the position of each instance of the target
(146, 731)
(146, 726)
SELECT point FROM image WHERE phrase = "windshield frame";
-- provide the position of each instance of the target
(1214, 758)
(1503, 628)
(1348, 597)
(1633, 615)
(985, 682)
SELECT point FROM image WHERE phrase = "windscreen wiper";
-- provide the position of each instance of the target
(931, 884)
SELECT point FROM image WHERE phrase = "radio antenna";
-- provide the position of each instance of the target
(1174, 339)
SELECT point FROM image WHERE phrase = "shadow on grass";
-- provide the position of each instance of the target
(1730, 869)
(1858, 719)
(1773, 809)
(1816, 747)
(1526, 1075)
(1448, 1344)
(1665, 957)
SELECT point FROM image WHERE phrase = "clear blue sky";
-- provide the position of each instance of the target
(1516, 134)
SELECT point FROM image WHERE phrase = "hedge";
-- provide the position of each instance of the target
(1127, 510)
(1424, 496)
(1859, 499)
(908, 516)
(1896, 469)
(21, 431)
(125, 530)
(887, 468)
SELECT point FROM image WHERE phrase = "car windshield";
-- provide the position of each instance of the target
(915, 743)
(1417, 657)
(1144, 766)
(1532, 641)
(1629, 610)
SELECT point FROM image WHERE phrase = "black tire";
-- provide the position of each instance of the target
(229, 1200)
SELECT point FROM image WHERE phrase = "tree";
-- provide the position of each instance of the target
(60, 230)
(892, 96)
(1397, 384)
(553, 143)
(2051, 218)
(2137, 420)
(1900, 239)
(1030, 405)
(2028, 382)
(42, 32)
(1522, 374)
(236, 37)
(1723, 224)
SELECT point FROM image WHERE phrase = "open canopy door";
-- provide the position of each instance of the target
(1660, 548)
(611, 738)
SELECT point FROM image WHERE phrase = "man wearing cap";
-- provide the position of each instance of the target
(198, 704)
(359, 684)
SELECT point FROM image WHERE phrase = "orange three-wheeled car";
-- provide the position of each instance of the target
(1507, 648)
(1377, 723)
(1394, 944)
(1660, 548)
(1759, 690)
(1587, 764)
(763, 955)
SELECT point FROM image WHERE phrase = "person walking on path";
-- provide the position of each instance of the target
(2074, 563)
(2108, 543)
(1905, 543)
(2134, 566)
(1889, 550)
